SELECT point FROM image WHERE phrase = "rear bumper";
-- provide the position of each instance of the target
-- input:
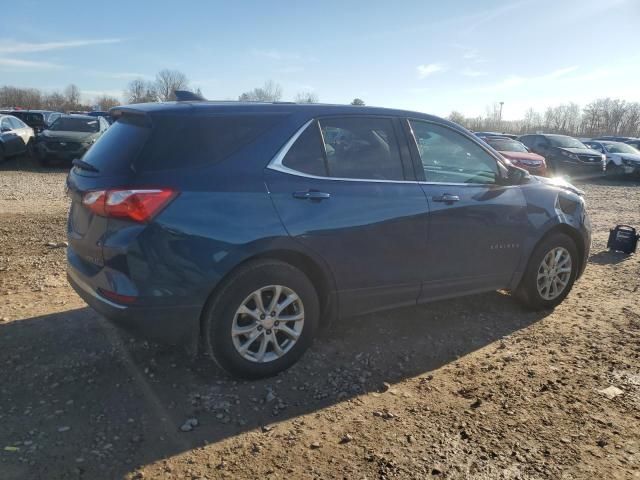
(175, 325)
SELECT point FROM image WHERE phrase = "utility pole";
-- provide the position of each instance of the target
(500, 115)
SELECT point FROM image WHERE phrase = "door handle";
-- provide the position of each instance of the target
(447, 198)
(312, 195)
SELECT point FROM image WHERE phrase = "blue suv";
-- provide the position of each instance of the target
(243, 227)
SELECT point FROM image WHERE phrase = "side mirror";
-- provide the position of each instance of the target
(517, 176)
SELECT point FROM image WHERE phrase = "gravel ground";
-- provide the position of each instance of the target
(467, 388)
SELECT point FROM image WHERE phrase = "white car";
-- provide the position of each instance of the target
(621, 157)
(16, 137)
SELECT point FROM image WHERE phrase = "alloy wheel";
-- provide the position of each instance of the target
(267, 324)
(554, 273)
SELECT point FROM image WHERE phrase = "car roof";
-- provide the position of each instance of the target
(74, 115)
(310, 109)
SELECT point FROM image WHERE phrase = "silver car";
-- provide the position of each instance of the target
(16, 137)
(621, 157)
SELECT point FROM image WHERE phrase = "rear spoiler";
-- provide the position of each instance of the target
(188, 96)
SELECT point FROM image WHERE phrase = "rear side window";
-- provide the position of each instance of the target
(179, 141)
(307, 154)
(362, 148)
(174, 141)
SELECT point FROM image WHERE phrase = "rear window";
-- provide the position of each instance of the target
(175, 141)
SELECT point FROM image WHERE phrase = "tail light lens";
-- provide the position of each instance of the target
(139, 205)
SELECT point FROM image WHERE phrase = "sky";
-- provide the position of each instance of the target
(423, 55)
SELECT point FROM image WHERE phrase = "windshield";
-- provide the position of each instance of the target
(506, 145)
(70, 124)
(620, 148)
(565, 142)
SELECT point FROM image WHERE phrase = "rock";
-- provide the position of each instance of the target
(267, 428)
(477, 403)
(346, 438)
(385, 387)
(611, 392)
(315, 445)
(64, 429)
(189, 425)
(602, 442)
(269, 397)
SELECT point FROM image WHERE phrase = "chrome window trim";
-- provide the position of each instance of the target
(276, 163)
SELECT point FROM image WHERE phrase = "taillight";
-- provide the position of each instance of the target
(139, 205)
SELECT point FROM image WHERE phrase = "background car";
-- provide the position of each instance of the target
(16, 137)
(635, 143)
(99, 113)
(496, 134)
(237, 225)
(39, 120)
(565, 155)
(621, 157)
(69, 138)
(518, 154)
(615, 138)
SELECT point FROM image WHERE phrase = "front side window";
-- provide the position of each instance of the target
(449, 157)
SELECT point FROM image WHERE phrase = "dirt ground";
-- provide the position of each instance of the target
(468, 388)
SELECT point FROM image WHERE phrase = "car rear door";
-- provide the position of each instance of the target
(344, 188)
(477, 226)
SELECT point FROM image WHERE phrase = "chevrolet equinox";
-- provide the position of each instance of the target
(243, 227)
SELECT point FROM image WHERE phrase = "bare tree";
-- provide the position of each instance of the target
(269, 92)
(72, 95)
(167, 82)
(307, 97)
(139, 91)
(457, 117)
(105, 102)
(358, 102)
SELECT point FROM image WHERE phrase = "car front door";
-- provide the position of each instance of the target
(477, 225)
(345, 188)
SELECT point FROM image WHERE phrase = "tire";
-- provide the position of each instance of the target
(222, 315)
(30, 150)
(529, 293)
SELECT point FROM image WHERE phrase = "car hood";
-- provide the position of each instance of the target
(68, 136)
(522, 156)
(560, 183)
(587, 151)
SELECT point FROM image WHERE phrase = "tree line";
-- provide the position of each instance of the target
(161, 89)
(603, 116)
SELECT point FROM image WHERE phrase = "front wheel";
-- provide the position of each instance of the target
(550, 274)
(262, 319)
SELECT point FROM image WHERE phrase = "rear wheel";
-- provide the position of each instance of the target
(262, 319)
(550, 274)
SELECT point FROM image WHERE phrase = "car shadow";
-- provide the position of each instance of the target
(79, 397)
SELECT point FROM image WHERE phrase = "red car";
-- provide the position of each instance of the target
(519, 155)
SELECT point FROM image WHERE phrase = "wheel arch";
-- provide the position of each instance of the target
(318, 274)
(568, 230)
